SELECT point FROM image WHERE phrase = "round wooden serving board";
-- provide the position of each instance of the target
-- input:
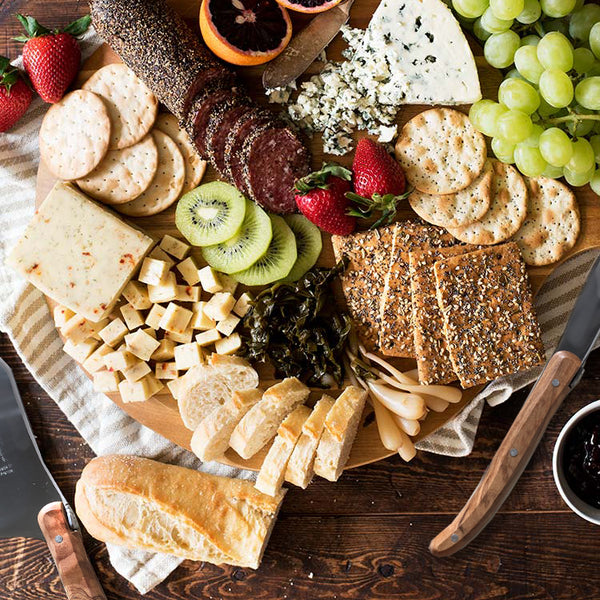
(160, 413)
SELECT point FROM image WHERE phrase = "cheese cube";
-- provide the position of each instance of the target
(133, 318)
(200, 320)
(114, 332)
(154, 385)
(219, 306)
(151, 332)
(188, 356)
(160, 254)
(208, 337)
(166, 370)
(209, 280)
(136, 391)
(164, 291)
(174, 247)
(78, 328)
(136, 294)
(229, 345)
(137, 371)
(155, 315)
(80, 351)
(140, 344)
(180, 338)
(106, 381)
(165, 351)
(242, 306)
(227, 325)
(228, 284)
(119, 360)
(153, 271)
(78, 253)
(174, 387)
(176, 318)
(188, 293)
(95, 361)
(189, 271)
(61, 315)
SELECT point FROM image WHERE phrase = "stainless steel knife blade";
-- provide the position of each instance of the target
(306, 46)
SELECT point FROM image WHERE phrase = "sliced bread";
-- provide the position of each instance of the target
(260, 423)
(300, 468)
(272, 472)
(341, 426)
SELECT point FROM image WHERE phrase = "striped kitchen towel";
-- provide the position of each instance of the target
(25, 317)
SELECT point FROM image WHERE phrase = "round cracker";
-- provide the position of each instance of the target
(123, 174)
(195, 167)
(75, 135)
(459, 209)
(167, 183)
(440, 151)
(132, 107)
(552, 224)
(507, 211)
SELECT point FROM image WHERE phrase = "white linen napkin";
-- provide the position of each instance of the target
(25, 317)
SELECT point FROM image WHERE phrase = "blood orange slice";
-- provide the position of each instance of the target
(245, 32)
(309, 6)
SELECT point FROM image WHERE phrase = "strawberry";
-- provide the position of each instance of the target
(379, 183)
(15, 95)
(320, 197)
(51, 58)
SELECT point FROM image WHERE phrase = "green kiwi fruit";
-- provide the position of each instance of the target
(247, 245)
(308, 245)
(210, 214)
(277, 261)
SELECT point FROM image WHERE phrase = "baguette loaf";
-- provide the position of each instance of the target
(341, 426)
(139, 503)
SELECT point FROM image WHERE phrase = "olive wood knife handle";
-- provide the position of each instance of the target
(67, 549)
(512, 456)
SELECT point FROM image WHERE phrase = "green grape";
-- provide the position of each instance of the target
(480, 33)
(514, 126)
(559, 25)
(594, 40)
(587, 93)
(583, 60)
(583, 157)
(475, 111)
(527, 63)
(595, 142)
(499, 49)
(581, 127)
(492, 24)
(553, 172)
(533, 139)
(530, 40)
(557, 8)
(514, 74)
(578, 179)
(555, 52)
(507, 9)
(556, 88)
(582, 21)
(518, 94)
(595, 182)
(503, 150)
(594, 71)
(556, 147)
(546, 110)
(578, 4)
(484, 115)
(470, 8)
(531, 12)
(529, 160)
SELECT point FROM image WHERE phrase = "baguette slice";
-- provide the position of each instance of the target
(211, 438)
(272, 472)
(139, 503)
(300, 468)
(341, 426)
(260, 423)
(207, 387)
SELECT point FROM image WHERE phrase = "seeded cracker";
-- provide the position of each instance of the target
(433, 360)
(395, 308)
(489, 320)
(369, 253)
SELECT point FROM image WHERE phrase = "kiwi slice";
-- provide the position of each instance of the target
(277, 261)
(308, 245)
(210, 214)
(246, 246)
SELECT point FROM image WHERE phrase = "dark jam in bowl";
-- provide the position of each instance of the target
(581, 459)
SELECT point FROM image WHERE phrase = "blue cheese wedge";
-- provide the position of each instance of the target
(78, 253)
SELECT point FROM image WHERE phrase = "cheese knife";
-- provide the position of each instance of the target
(31, 504)
(304, 48)
(560, 375)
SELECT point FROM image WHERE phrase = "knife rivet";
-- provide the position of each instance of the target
(514, 452)
(555, 382)
(58, 539)
(454, 537)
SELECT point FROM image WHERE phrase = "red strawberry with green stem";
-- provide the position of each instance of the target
(321, 198)
(15, 94)
(379, 183)
(51, 58)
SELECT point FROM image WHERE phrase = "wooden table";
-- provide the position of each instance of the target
(366, 536)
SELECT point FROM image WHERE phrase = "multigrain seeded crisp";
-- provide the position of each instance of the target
(489, 320)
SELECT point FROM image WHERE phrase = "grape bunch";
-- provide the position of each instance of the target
(547, 118)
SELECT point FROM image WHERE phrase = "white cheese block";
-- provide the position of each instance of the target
(78, 253)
